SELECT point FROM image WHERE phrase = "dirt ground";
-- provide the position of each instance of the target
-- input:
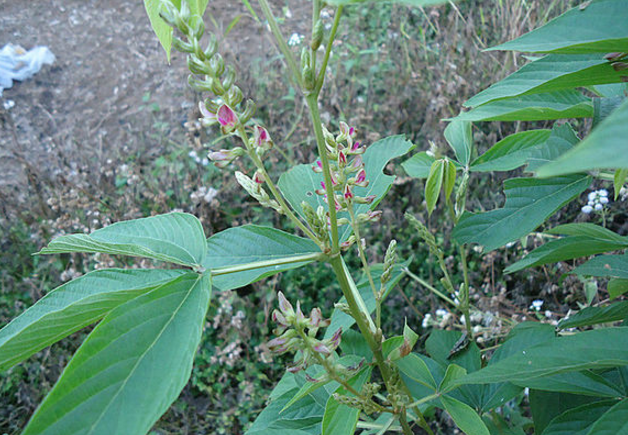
(88, 106)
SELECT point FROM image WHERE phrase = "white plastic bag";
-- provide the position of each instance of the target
(19, 64)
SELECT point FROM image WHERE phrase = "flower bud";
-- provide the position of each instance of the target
(365, 200)
(318, 168)
(234, 96)
(308, 78)
(316, 317)
(347, 193)
(285, 306)
(342, 160)
(226, 117)
(197, 66)
(317, 35)
(370, 216)
(321, 348)
(230, 78)
(217, 65)
(261, 138)
(199, 85)
(249, 110)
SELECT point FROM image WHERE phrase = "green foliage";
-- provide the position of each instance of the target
(529, 202)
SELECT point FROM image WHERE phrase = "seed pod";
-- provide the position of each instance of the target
(212, 46)
(317, 35)
(197, 66)
(308, 78)
(306, 58)
(217, 65)
(249, 110)
(229, 79)
(199, 85)
(183, 47)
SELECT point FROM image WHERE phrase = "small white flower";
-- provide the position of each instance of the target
(598, 207)
(592, 196)
(587, 209)
(602, 192)
(295, 39)
(537, 304)
(603, 200)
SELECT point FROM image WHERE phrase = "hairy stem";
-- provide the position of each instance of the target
(273, 189)
(281, 42)
(365, 264)
(268, 263)
(312, 102)
(332, 36)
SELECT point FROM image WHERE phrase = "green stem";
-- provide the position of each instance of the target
(365, 264)
(312, 102)
(465, 303)
(407, 430)
(428, 286)
(332, 36)
(281, 42)
(273, 189)
(316, 12)
(268, 263)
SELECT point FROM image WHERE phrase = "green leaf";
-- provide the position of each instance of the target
(73, 306)
(587, 230)
(418, 166)
(345, 321)
(617, 287)
(161, 29)
(449, 178)
(603, 107)
(595, 315)
(132, 366)
(197, 7)
(613, 422)
(433, 184)
(551, 73)
(460, 138)
(598, 240)
(416, 369)
(452, 373)
(578, 421)
(546, 406)
(340, 419)
(529, 202)
(595, 27)
(255, 246)
(596, 349)
(532, 147)
(175, 238)
(304, 418)
(618, 181)
(535, 107)
(583, 383)
(415, 3)
(309, 387)
(464, 416)
(615, 266)
(604, 148)
(299, 183)
(512, 151)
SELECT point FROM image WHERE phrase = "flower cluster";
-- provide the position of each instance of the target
(347, 172)
(297, 333)
(596, 201)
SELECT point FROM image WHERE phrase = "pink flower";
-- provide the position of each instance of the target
(318, 168)
(262, 138)
(226, 116)
(342, 159)
(361, 177)
(348, 194)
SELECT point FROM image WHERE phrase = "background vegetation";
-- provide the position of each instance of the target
(395, 70)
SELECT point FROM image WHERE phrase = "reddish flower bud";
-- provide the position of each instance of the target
(311, 379)
(258, 177)
(342, 159)
(348, 194)
(262, 138)
(207, 115)
(280, 319)
(356, 164)
(316, 317)
(226, 116)
(285, 306)
(320, 347)
(318, 168)
(335, 339)
(361, 177)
